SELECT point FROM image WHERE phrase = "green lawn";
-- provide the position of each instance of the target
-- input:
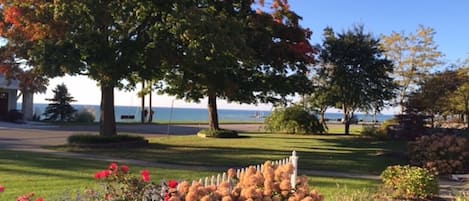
(49, 177)
(317, 152)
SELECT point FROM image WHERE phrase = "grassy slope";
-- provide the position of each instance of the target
(318, 152)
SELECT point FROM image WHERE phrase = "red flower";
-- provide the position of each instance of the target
(2, 189)
(125, 168)
(172, 184)
(113, 166)
(39, 199)
(103, 174)
(99, 175)
(145, 175)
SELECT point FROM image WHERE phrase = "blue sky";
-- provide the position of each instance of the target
(448, 18)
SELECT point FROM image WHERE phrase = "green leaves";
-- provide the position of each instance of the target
(354, 69)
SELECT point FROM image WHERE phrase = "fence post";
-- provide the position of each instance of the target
(294, 162)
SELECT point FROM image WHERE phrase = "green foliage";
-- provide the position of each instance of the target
(237, 54)
(381, 132)
(119, 185)
(360, 76)
(373, 131)
(60, 108)
(435, 93)
(440, 153)
(219, 133)
(409, 182)
(294, 120)
(98, 139)
(84, 116)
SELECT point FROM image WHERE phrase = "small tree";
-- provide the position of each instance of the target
(60, 108)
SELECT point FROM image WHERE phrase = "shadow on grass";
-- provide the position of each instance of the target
(35, 164)
(335, 154)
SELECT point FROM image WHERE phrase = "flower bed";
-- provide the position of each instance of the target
(271, 183)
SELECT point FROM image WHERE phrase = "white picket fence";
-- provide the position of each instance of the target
(220, 178)
(155, 195)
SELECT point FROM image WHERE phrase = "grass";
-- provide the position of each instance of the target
(318, 152)
(339, 129)
(48, 176)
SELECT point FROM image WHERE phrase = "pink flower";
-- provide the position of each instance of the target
(172, 184)
(125, 168)
(145, 175)
(39, 199)
(2, 189)
(113, 166)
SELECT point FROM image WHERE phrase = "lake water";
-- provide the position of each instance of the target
(164, 114)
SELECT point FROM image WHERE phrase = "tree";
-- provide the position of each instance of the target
(414, 56)
(320, 99)
(355, 69)
(227, 50)
(107, 40)
(14, 57)
(60, 108)
(459, 99)
(434, 94)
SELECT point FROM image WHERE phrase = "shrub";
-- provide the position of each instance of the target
(293, 120)
(375, 132)
(84, 116)
(409, 182)
(462, 196)
(119, 184)
(440, 153)
(273, 183)
(97, 139)
(220, 133)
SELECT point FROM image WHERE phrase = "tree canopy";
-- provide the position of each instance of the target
(356, 70)
(228, 50)
(108, 41)
(414, 55)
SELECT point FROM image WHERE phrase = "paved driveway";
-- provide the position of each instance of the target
(32, 136)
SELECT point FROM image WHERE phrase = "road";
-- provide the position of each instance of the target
(32, 136)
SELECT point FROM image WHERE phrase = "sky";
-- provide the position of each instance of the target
(448, 18)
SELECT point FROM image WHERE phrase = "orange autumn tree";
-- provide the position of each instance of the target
(19, 35)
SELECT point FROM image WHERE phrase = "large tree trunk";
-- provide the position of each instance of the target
(144, 112)
(107, 123)
(212, 111)
(27, 105)
(346, 120)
